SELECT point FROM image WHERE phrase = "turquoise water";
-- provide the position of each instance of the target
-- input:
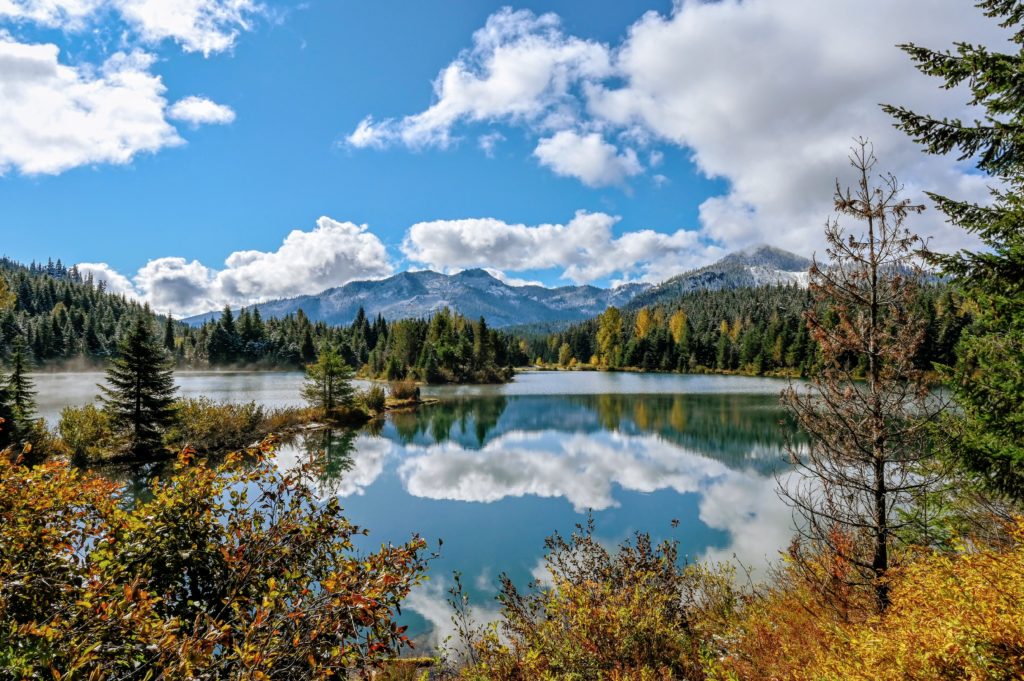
(493, 470)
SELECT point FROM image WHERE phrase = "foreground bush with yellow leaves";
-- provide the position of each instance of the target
(954, 615)
(234, 571)
(632, 614)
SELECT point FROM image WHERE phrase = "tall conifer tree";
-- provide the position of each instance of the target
(21, 393)
(988, 379)
(140, 395)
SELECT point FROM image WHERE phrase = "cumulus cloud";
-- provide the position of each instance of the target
(765, 94)
(55, 117)
(200, 110)
(205, 26)
(521, 67)
(776, 117)
(114, 281)
(332, 254)
(585, 249)
(588, 158)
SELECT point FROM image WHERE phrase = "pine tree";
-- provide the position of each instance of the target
(169, 334)
(140, 395)
(328, 383)
(988, 378)
(866, 437)
(20, 391)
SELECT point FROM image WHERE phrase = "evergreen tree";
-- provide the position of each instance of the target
(861, 463)
(6, 419)
(988, 377)
(169, 334)
(20, 391)
(328, 383)
(140, 394)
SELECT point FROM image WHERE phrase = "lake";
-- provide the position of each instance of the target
(493, 470)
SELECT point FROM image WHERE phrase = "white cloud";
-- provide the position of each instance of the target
(197, 25)
(584, 250)
(775, 118)
(765, 94)
(200, 110)
(55, 117)
(205, 26)
(176, 285)
(114, 281)
(332, 254)
(489, 142)
(589, 158)
(521, 68)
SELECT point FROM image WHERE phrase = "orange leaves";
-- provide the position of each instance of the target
(186, 585)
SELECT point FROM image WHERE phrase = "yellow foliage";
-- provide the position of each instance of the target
(952, 616)
(644, 323)
(677, 326)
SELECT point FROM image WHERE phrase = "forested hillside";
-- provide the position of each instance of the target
(62, 316)
(753, 330)
(65, 318)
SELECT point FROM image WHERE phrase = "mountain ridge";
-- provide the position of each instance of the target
(476, 292)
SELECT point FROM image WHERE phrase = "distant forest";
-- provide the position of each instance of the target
(67, 319)
(746, 330)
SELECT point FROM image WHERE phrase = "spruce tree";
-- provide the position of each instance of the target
(21, 390)
(328, 383)
(140, 395)
(988, 377)
(6, 418)
(169, 334)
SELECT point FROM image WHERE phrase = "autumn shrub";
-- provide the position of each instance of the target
(234, 571)
(374, 398)
(89, 432)
(209, 426)
(403, 390)
(632, 614)
(953, 615)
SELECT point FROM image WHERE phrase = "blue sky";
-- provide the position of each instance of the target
(599, 141)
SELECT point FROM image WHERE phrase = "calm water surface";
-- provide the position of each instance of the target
(493, 470)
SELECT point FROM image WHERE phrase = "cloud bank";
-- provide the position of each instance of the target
(765, 94)
(332, 254)
(205, 26)
(57, 116)
(585, 249)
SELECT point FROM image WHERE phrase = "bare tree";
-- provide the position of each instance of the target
(866, 411)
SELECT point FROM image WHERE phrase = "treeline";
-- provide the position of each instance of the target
(60, 315)
(444, 348)
(747, 330)
(64, 317)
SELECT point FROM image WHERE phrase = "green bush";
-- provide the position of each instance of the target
(89, 433)
(374, 398)
(209, 426)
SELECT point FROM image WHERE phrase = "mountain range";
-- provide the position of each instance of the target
(475, 293)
